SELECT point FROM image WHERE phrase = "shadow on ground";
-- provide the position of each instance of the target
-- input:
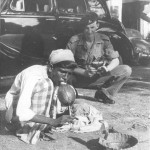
(136, 86)
(88, 98)
(2, 123)
(91, 144)
(139, 81)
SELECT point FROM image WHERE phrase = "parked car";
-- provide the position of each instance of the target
(141, 46)
(31, 29)
(148, 37)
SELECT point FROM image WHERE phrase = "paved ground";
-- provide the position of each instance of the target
(130, 114)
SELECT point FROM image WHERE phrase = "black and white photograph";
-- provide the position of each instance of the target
(75, 74)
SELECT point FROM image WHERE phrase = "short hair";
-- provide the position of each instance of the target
(89, 18)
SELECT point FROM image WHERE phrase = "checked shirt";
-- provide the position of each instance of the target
(30, 94)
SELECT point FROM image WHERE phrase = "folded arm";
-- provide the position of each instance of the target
(113, 64)
(90, 71)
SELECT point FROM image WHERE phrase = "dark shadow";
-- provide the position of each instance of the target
(132, 12)
(3, 128)
(145, 94)
(145, 61)
(132, 141)
(87, 98)
(46, 136)
(94, 144)
(141, 73)
(135, 86)
(129, 87)
(91, 144)
(32, 49)
(3, 131)
(32, 43)
(79, 140)
(138, 82)
(2, 119)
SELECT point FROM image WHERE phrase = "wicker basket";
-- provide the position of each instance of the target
(117, 141)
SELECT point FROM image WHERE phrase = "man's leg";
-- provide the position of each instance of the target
(119, 76)
(107, 85)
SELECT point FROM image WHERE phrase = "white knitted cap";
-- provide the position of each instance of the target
(60, 55)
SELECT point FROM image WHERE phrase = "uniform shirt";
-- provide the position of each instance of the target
(30, 94)
(101, 48)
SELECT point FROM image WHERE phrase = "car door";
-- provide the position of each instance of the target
(69, 13)
(27, 29)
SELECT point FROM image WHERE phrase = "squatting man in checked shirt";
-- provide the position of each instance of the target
(98, 63)
(29, 99)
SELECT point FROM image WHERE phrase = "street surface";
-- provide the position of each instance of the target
(130, 114)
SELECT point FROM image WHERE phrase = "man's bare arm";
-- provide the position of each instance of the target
(52, 122)
(113, 64)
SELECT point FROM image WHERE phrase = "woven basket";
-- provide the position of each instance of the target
(117, 141)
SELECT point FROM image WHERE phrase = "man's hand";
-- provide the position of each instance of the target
(102, 70)
(63, 119)
(97, 64)
(90, 71)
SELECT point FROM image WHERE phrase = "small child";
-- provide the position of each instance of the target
(96, 7)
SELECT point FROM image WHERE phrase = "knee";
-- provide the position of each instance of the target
(127, 70)
(122, 70)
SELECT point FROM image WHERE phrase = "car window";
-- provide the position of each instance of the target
(71, 6)
(31, 5)
(96, 6)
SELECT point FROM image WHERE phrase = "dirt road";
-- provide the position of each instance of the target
(130, 114)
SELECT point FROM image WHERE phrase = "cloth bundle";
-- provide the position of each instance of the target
(89, 119)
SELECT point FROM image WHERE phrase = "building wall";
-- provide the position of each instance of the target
(144, 27)
(115, 7)
(135, 15)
